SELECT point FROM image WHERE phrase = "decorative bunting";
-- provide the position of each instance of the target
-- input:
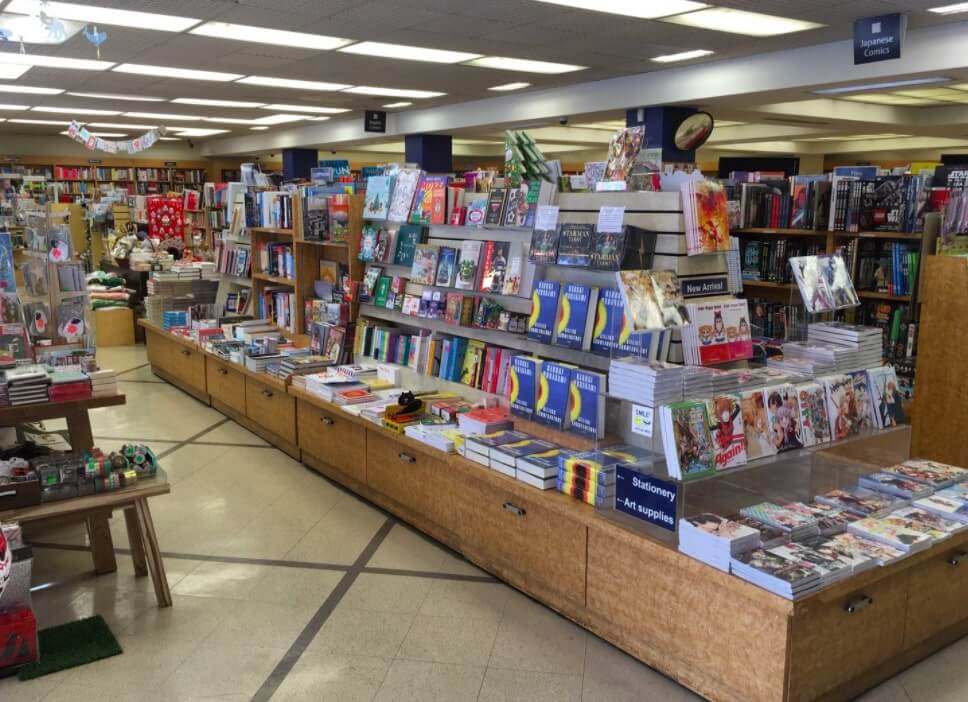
(80, 134)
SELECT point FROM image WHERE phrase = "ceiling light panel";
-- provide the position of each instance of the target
(391, 105)
(751, 24)
(194, 132)
(12, 72)
(169, 72)
(15, 58)
(51, 122)
(216, 103)
(404, 52)
(27, 90)
(503, 63)
(101, 134)
(163, 116)
(643, 9)
(392, 92)
(169, 139)
(258, 129)
(306, 108)
(510, 86)
(682, 56)
(262, 35)
(293, 84)
(841, 89)
(889, 99)
(76, 111)
(278, 119)
(950, 9)
(116, 96)
(13, 108)
(118, 125)
(30, 30)
(91, 14)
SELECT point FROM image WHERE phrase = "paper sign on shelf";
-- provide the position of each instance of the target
(611, 219)
(642, 420)
(546, 217)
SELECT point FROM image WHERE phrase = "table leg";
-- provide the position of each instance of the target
(79, 428)
(102, 546)
(136, 541)
(153, 552)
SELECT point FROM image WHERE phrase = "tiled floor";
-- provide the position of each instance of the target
(288, 588)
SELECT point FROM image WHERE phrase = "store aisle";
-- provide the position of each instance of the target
(286, 587)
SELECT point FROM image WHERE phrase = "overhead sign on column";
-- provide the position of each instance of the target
(878, 38)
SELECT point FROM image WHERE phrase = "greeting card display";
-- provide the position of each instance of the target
(166, 220)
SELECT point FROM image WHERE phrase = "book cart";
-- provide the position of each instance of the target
(623, 580)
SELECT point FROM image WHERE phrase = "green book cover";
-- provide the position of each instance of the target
(407, 239)
(382, 291)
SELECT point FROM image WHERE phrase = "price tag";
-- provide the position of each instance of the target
(610, 219)
(642, 419)
(546, 217)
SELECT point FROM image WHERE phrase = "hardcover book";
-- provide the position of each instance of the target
(430, 200)
(514, 276)
(476, 210)
(551, 402)
(368, 286)
(608, 249)
(467, 264)
(726, 430)
(586, 403)
(706, 216)
(424, 268)
(407, 239)
(377, 202)
(446, 267)
(610, 331)
(494, 264)
(523, 384)
(544, 310)
(404, 187)
(576, 316)
(544, 246)
(575, 244)
(495, 206)
(382, 291)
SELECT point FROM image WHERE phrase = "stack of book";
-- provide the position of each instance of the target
(866, 503)
(504, 459)
(104, 383)
(443, 437)
(866, 341)
(540, 470)
(484, 420)
(830, 565)
(893, 484)
(797, 526)
(67, 385)
(27, 384)
(779, 575)
(590, 476)
(479, 447)
(646, 382)
(898, 536)
(715, 540)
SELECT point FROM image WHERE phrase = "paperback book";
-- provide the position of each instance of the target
(726, 430)
(424, 268)
(551, 402)
(685, 435)
(544, 310)
(576, 317)
(575, 244)
(756, 425)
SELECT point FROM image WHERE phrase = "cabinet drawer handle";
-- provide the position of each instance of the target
(858, 603)
(267, 393)
(8, 493)
(955, 559)
(186, 352)
(327, 421)
(407, 458)
(222, 371)
(515, 510)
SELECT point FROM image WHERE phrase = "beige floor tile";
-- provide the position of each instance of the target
(417, 681)
(341, 535)
(449, 640)
(333, 678)
(295, 586)
(211, 671)
(122, 358)
(466, 600)
(232, 433)
(527, 686)
(458, 565)
(29, 690)
(154, 411)
(387, 593)
(611, 674)
(890, 691)
(226, 580)
(69, 692)
(359, 632)
(261, 624)
(538, 640)
(190, 619)
(186, 461)
(141, 375)
(404, 548)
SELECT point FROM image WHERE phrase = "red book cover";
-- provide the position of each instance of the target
(430, 201)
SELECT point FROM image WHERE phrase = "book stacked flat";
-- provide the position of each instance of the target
(484, 420)
(325, 385)
(769, 536)
(781, 576)
(540, 470)
(830, 566)
(27, 385)
(831, 547)
(478, 447)
(696, 382)
(896, 519)
(944, 504)
(900, 537)
(354, 396)
(294, 365)
(804, 360)
(504, 459)
(104, 382)
(893, 484)
(797, 526)
(443, 437)
(862, 501)
(867, 342)
(715, 540)
(931, 519)
(590, 476)
(860, 547)
(646, 382)
(830, 520)
(68, 385)
(931, 473)
(4, 391)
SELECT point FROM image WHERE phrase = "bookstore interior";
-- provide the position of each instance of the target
(554, 374)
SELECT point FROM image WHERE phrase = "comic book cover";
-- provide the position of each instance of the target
(885, 396)
(814, 425)
(866, 412)
(726, 430)
(693, 444)
(810, 280)
(756, 425)
(784, 417)
(841, 405)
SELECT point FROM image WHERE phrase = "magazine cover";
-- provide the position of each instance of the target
(756, 425)
(424, 268)
(726, 430)
(810, 280)
(837, 278)
(377, 202)
(814, 425)
(866, 412)
(693, 444)
(706, 216)
(883, 386)
(784, 417)
(841, 405)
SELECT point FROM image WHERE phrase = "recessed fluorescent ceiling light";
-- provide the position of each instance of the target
(317, 118)
(228, 120)
(117, 125)
(407, 53)
(11, 72)
(262, 35)
(950, 9)
(77, 111)
(159, 115)
(889, 99)
(27, 90)
(644, 9)
(503, 63)
(169, 139)
(258, 129)
(752, 24)
(116, 96)
(278, 119)
(100, 134)
(510, 86)
(392, 92)
(31, 30)
(28, 60)
(168, 72)
(682, 56)
(199, 132)
(880, 86)
(4, 106)
(217, 103)
(89, 14)
(306, 108)
(290, 83)
(41, 121)
(391, 105)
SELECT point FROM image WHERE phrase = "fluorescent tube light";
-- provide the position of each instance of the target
(13, 108)
(228, 120)
(117, 125)
(217, 103)
(407, 53)
(950, 9)
(291, 83)
(27, 90)
(278, 119)
(503, 63)
(12, 72)
(859, 87)
(306, 108)
(90, 14)
(323, 118)
(682, 56)
(392, 105)
(116, 96)
(643, 9)
(258, 129)
(77, 111)
(194, 132)
(169, 72)
(751, 24)
(169, 139)
(392, 92)
(18, 59)
(41, 121)
(101, 134)
(163, 116)
(263, 35)
(30, 30)
(510, 86)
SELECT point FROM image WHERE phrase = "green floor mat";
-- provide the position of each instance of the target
(70, 645)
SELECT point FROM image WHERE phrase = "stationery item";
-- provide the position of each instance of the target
(377, 202)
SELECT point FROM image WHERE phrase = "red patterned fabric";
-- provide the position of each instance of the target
(166, 220)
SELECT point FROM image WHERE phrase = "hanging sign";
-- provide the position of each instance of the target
(878, 38)
(81, 135)
(375, 121)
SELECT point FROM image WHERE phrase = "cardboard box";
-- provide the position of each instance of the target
(114, 326)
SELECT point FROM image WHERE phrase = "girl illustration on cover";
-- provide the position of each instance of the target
(726, 413)
(719, 328)
(744, 329)
(843, 424)
(891, 411)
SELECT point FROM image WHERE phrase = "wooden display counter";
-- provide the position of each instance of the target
(716, 634)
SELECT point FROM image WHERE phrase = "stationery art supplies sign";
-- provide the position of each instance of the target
(646, 497)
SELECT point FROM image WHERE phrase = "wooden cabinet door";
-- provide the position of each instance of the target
(333, 439)
(225, 384)
(272, 408)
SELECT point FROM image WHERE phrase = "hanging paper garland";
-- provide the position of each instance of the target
(95, 37)
(132, 146)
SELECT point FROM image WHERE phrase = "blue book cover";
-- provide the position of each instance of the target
(458, 349)
(445, 357)
(572, 317)
(524, 373)
(446, 267)
(377, 201)
(8, 279)
(586, 403)
(863, 172)
(638, 344)
(610, 328)
(544, 310)
(551, 402)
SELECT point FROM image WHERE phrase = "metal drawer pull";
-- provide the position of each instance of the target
(955, 559)
(267, 393)
(859, 603)
(515, 510)
(407, 458)
(327, 421)
(186, 352)
(222, 371)
(8, 493)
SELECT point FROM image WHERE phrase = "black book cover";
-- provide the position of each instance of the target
(495, 206)
(544, 246)
(575, 244)
(887, 203)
